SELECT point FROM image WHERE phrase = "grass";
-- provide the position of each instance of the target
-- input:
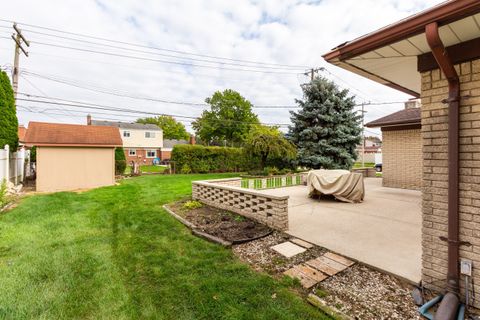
(147, 169)
(114, 253)
(357, 165)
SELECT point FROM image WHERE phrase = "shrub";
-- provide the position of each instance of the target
(186, 169)
(193, 204)
(8, 114)
(271, 171)
(202, 159)
(120, 161)
(4, 198)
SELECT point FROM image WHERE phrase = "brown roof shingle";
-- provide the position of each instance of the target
(402, 117)
(59, 134)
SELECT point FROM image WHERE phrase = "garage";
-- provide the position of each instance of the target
(73, 157)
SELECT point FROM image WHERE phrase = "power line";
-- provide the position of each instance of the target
(167, 55)
(155, 48)
(133, 111)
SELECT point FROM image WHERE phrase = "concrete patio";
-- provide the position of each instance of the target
(384, 231)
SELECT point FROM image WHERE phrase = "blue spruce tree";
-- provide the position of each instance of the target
(326, 130)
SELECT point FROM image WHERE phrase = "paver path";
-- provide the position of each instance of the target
(316, 270)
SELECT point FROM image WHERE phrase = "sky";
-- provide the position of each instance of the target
(178, 44)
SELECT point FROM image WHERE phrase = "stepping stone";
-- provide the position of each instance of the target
(339, 259)
(302, 243)
(312, 273)
(320, 266)
(332, 263)
(305, 280)
(288, 249)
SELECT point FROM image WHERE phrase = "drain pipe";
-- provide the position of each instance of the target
(448, 308)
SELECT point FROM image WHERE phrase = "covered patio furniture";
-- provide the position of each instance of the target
(342, 184)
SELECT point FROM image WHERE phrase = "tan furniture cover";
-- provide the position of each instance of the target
(342, 184)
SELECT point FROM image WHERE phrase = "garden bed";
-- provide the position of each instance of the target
(219, 223)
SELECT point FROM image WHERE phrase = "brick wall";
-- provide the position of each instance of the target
(140, 157)
(267, 209)
(402, 159)
(435, 170)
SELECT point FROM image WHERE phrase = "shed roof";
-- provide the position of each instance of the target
(59, 134)
(403, 117)
(127, 125)
(390, 55)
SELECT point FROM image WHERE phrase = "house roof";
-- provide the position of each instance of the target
(390, 55)
(127, 125)
(59, 134)
(403, 117)
(21, 133)
(170, 143)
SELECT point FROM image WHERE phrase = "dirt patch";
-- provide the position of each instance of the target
(221, 223)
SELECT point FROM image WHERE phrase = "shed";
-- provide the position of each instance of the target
(402, 148)
(72, 157)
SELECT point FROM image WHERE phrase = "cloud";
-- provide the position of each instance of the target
(274, 31)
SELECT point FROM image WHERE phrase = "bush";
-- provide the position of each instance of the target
(4, 198)
(186, 169)
(202, 159)
(8, 114)
(193, 204)
(270, 171)
(120, 161)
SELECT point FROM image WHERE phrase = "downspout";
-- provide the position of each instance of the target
(447, 310)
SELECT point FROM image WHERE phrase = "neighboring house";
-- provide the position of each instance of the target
(168, 144)
(402, 148)
(141, 142)
(72, 157)
(435, 55)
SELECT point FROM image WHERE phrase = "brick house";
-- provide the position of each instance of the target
(402, 148)
(435, 55)
(142, 143)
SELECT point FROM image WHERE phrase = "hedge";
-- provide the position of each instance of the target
(201, 159)
(120, 161)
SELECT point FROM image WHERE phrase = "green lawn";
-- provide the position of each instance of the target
(367, 165)
(114, 253)
(147, 169)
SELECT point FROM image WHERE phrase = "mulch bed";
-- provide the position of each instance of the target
(220, 223)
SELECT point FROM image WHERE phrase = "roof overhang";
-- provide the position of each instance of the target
(390, 55)
(41, 144)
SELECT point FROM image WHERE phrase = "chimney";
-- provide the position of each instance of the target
(413, 103)
(192, 139)
(89, 120)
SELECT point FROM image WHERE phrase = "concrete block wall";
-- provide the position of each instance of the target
(402, 159)
(435, 172)
(269, 210)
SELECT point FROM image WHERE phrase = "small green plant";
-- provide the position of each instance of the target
(4, 198)
(270, 171)
(193, 204)
(186, 169)
(239, 218)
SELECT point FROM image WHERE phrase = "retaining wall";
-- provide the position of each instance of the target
(267, 209)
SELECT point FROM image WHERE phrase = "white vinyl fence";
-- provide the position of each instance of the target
(12, 165)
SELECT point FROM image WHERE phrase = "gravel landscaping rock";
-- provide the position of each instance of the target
(366, 294)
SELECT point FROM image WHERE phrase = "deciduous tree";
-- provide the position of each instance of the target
(229, 119)
(172, 129)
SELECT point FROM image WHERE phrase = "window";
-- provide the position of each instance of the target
(126, 134)
(151, 153)
(132, 152)
(149, 134)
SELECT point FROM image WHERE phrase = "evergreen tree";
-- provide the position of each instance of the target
(326, 130)
(8, 114)
(120, 161)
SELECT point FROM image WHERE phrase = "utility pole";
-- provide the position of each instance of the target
(18, 38)
(312, 72)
